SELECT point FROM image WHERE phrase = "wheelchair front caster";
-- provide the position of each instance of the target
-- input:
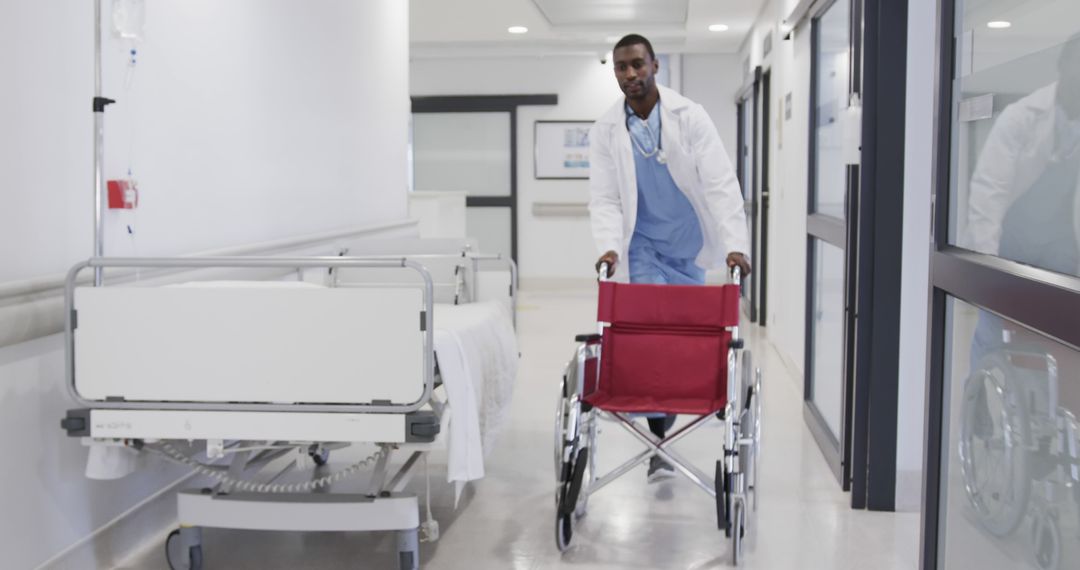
(1046, 542)
(183, 549)
(569, 507)
(738, 531)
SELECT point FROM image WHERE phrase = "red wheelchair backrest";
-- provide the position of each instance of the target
(665, 349)
(673, 306)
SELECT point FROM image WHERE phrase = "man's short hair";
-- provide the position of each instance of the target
(633, 40)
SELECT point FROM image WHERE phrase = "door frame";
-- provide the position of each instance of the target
(838, 233)
(762, 260)
(490, 104)
(750, 94)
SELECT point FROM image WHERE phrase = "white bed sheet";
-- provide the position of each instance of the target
(477, 353)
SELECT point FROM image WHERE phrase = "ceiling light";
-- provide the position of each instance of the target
(517, 29)
(612, 39)
(999, 25)
(718, 28)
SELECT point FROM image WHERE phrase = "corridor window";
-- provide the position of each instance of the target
(832, 61)
(1011, 467)
(1016, 147)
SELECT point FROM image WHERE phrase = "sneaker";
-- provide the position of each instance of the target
(660, 470)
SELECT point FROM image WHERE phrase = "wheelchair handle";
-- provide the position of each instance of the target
(602, 273)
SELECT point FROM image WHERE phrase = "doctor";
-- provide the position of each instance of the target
(664, 196)
(1023, 200)
(1024, 203)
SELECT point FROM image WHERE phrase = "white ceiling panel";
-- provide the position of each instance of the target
(613, 12)
(479, 27)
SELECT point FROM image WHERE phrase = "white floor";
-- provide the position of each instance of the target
(506, 521)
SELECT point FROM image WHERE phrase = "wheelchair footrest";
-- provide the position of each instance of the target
(720, 485)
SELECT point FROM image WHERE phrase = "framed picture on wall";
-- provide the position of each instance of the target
(561, 150)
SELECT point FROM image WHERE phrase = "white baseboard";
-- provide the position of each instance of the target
(908, 491)
(126, 535)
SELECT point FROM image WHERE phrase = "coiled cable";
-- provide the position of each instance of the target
(247, 485)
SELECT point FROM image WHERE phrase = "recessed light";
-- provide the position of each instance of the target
(999, 25)
(718, 28)
(517, 29)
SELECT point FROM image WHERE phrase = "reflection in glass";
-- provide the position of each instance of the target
(832, 59)
(1020, 200)
(827, 389)
(1011, 476)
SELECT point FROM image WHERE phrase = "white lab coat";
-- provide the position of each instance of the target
(1017, 152)
(699, 165)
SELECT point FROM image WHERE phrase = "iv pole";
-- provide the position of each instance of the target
(99, 147)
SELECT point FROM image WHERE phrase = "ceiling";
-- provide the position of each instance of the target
(1036, 27)
(479, 27)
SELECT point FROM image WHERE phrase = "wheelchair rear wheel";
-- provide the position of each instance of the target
(993, 446)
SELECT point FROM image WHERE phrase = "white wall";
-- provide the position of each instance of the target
(788, 177)
(562, 248)
(267, 126)
(914, 291)
(713, 80)
(254, 120)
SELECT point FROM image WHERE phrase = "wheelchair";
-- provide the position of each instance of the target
(661, 349)
(1019, 451)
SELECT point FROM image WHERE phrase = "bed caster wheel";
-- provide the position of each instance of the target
(408, 549)
(320, 455)
(180, 553)
(738, 531)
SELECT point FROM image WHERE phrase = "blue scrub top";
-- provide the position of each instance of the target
(667, 234)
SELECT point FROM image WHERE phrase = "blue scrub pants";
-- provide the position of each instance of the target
(651, 267)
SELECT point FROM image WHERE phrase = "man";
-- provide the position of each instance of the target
(1024, 203)
(664, 196)
(1023, 200)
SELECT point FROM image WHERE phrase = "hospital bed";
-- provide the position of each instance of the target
(252, 384)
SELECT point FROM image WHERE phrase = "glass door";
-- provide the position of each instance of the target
(830, 258)
(747, 166)
(471, 152)
(1003, 454)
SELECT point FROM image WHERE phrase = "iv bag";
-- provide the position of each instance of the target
(128, 18)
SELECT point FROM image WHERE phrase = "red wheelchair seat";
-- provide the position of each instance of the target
(665, 349)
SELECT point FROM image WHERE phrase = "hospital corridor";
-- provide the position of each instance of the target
(505, 524)
(540, 284)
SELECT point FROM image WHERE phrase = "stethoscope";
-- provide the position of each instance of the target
(658, 152)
